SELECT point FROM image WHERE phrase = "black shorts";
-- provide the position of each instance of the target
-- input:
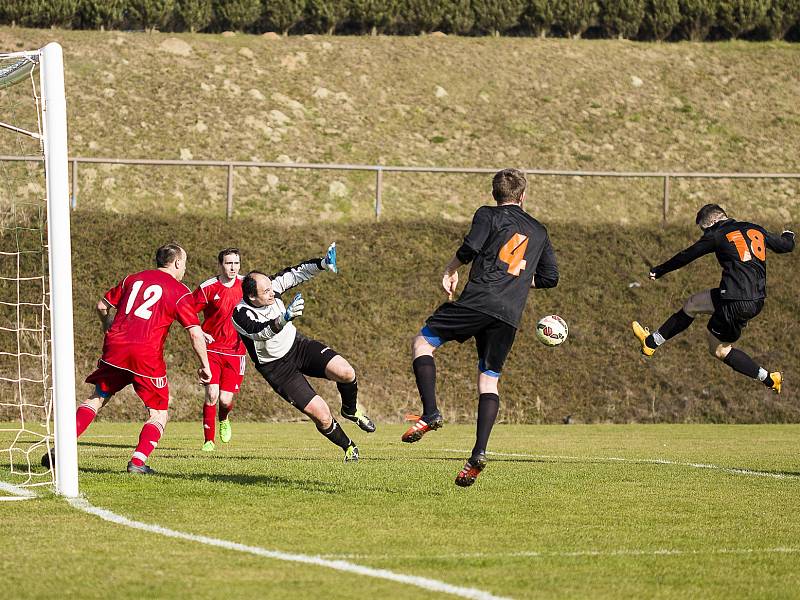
(493, 337)
(731, 316)
(287, 374)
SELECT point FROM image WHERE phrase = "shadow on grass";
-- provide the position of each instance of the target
(308, 485)
(106, 445)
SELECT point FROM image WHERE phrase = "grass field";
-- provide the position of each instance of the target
(606, 511)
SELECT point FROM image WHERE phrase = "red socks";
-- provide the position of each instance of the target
(148, 440)
(210, 421)
(84, 417)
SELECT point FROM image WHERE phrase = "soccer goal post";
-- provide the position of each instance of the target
(52, 391)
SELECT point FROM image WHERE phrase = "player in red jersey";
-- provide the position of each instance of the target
(136, 316)
(217, 297)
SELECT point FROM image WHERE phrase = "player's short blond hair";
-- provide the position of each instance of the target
(508, 185)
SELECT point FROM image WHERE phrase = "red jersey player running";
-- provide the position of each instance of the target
(146, 304)
(217, 297)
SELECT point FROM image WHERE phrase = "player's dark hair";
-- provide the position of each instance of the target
(508, 185)
(709, 214)
(250, 285)
(223, 253)
(167, 254)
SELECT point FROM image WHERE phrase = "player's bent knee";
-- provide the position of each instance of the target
(319, 411)
(420, 346)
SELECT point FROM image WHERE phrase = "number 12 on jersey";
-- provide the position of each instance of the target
(151, 295)
(512, 253)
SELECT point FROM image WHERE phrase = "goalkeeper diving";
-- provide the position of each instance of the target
(285, 357)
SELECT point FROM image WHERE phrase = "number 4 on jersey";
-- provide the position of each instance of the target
(512, 253)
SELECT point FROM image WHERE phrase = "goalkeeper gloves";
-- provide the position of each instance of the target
(294, 310)
(329, 262)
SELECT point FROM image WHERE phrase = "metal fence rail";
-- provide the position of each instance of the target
(379, 170)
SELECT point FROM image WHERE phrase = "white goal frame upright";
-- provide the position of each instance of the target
(54, 145)
(54, 124)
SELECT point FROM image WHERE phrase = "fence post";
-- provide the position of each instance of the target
(666, 198)
(378, 186)
(74, 201)
(229, 204)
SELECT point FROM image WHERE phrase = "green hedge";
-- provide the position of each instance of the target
(380, 298)
(658, 20)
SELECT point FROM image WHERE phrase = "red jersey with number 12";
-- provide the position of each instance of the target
(217, 301)
(147, 303)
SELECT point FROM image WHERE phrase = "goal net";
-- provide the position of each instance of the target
(37, 378)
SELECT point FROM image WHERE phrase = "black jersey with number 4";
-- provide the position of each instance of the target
(741, 250)
(509, 250)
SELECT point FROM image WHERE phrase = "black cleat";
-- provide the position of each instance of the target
(360, 418)
(49, 459)
(137, 470)
(472, 468)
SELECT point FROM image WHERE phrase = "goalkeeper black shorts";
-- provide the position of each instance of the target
(287, 375)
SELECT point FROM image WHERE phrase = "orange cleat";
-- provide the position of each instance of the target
(421, 426)
(472, 468)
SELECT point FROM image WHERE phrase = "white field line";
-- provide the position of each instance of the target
(19, 493)
(575, 554)
(425, 583)
(640, 461)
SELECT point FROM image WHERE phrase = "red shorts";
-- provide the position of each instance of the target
(154, 391)
(227, 371)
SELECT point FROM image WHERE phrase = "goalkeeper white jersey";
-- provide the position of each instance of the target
(259, 327)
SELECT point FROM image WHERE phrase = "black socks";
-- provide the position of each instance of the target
(349, 394)
(425, 374)
(336, 435)
(488, 405)
(677, 323)
(740, 362)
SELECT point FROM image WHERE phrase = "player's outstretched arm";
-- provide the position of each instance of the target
(701, 247)
(450, 276)
(780, 244)
(290, 277)
(199, 346)
(106, 314)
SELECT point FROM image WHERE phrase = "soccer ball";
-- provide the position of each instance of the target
(552, 330)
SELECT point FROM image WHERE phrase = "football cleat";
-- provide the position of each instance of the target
(422, 426)
(360, 418)
(208, 446)
(330, 258)
(641, 334)
(225, 431)
(472, 468)
(777, 380)
(137, 470)
(351, 454)
(49, 459)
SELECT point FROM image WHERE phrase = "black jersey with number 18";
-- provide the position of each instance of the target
(509, 251)
(741, 248)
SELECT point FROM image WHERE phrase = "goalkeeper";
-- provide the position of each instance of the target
(284, 357)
